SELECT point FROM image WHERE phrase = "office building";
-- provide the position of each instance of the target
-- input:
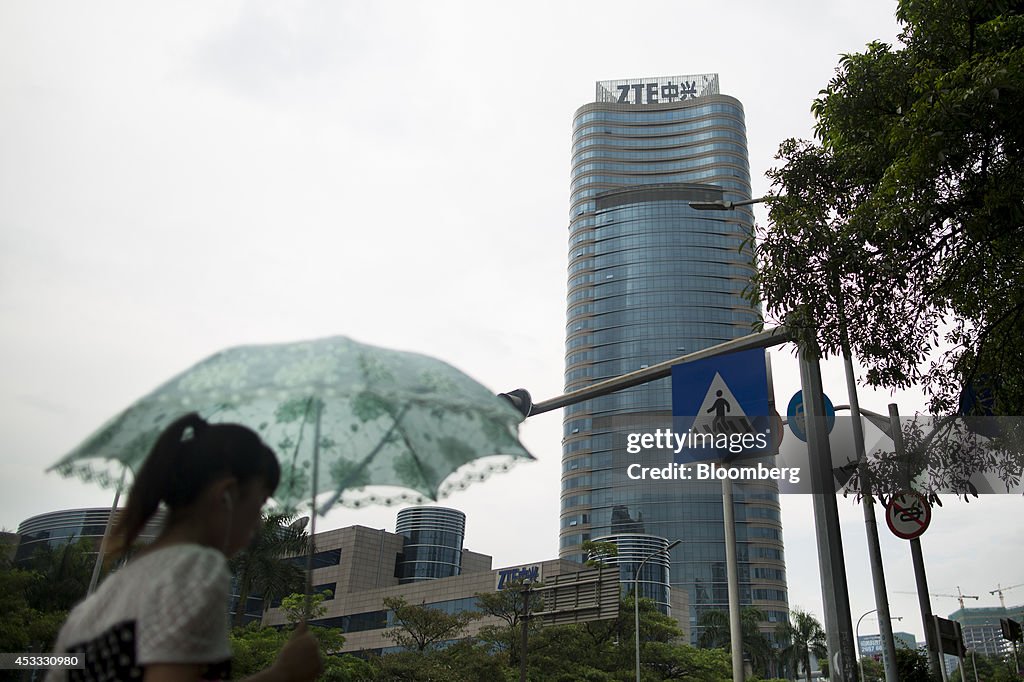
(649, 279)
(363, 566)
(57, 528)
(642, 562)
(871, 645)
(980, 626)
(433, 543)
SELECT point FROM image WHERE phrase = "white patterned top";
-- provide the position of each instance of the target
(166, 606)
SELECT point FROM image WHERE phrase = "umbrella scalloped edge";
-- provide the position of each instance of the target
(474, 472)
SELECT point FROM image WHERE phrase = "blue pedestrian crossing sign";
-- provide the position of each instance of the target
(721, 408)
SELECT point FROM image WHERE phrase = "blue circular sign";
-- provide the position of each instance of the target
(795, 415)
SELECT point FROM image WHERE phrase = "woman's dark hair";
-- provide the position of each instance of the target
(189, 455)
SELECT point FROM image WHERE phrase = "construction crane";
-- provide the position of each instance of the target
(959, 596)
(1000, 589)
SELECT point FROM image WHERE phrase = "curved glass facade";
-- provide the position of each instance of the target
(650, 279)
(653, 581)
(433, 543)
(57, 528)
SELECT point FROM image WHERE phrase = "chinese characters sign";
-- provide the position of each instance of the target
(657, 90)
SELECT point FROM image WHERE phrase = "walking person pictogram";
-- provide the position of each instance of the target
(719, 407)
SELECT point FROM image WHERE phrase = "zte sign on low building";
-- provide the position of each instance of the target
(657, 90)
(507, 577)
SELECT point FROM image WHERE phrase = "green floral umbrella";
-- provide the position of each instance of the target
(353, 423)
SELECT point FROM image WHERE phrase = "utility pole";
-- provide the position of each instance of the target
(835, 593)
(918, 558)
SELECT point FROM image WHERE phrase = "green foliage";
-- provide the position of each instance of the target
(990, 669)
(420, 627)
(34, 602)
(873, 670)
(65, 573)
(600, 552)
(904, 222)
(260, 569)
(255, 648)
(508, 605)
(679, 662)
(298, 608)
(24, 627)
(805, 637)
(715, 633)
(465, 661)
(347, 668)
(911, 665)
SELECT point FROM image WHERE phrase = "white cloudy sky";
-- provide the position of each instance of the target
(176, 178)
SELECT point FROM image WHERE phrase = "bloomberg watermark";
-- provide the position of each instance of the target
(713, 472)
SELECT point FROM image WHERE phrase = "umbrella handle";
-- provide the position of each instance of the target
(308, 610)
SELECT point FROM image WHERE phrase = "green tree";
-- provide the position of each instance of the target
(757, 646)
(463, 661)
(804, 636)
(508, 605)
(682, 662)
(22, 626)
(874, 671)
(990, 669)
(420, 627)
(908, 207)
(600, 553)
(255, 648)
(65, 571)
(911, 664)
(261, 568)
(297, 607)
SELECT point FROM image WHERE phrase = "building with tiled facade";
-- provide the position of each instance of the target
(360, 567)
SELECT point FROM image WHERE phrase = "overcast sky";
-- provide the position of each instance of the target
(176, 178)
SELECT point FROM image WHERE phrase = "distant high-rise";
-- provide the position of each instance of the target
(650, 279)
(433, 543)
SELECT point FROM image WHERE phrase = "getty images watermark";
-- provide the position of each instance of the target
(714, 444)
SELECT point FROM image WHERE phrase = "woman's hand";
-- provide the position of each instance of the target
(300, 658)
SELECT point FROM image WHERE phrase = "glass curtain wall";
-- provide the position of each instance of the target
(650, 279)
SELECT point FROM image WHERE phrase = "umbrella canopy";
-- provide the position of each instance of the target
(344, 418)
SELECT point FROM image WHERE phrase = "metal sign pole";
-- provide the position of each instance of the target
(918, 558)
(868, 502)
(835, 594)
(732, 576)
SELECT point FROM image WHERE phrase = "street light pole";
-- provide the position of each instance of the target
(636, 601)
(732, 582)
(526, 622)
(871, 527)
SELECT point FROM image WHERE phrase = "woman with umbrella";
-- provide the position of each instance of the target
(163, 616)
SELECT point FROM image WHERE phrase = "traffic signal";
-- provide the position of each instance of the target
(1011, 629)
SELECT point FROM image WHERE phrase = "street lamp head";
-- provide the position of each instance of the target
(711, 205)
(726, 205)
(672, 544)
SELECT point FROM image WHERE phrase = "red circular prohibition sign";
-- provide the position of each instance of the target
(908, 515)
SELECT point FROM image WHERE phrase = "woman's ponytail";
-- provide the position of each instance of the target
(156, 479)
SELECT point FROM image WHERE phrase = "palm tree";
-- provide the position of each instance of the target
(805, 636)
(262, 567)
(715, 634)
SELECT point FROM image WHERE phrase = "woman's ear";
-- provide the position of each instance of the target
(225, 492)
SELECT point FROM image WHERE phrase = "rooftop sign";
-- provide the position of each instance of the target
(657, 90)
